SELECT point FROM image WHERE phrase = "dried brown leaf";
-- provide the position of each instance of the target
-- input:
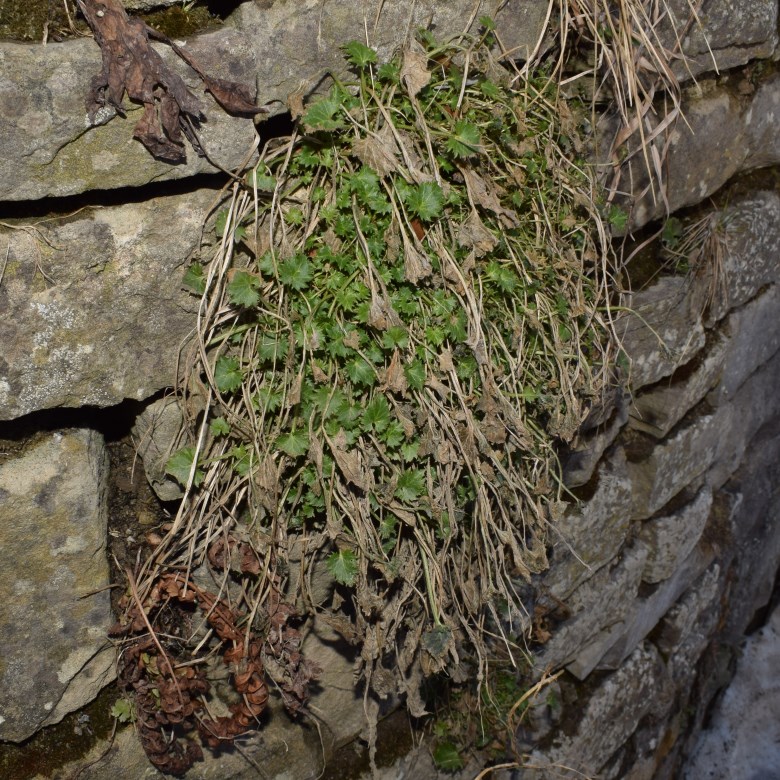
(414, 71)
(416, 264)
(350, 461)
(483, 192)
(474, 235)
(378, 151)
(395, 378)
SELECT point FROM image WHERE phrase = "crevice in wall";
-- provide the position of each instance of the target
(46, 751)
(64, 207)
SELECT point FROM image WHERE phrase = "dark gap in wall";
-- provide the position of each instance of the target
(276, 126)
(702, 409)
(762, 615)
(395, 739)
(49, 749)
(637, 445)
(588, 490)
(648, 265)
(677, 501)
(114, 422)
(221, 8)
(25, 210)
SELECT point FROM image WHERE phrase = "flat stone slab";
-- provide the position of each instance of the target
(47, 147)
(723, 133)
(93, 306)
(54, 603)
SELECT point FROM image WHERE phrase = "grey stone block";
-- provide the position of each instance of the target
(54, 603)
(93, 306)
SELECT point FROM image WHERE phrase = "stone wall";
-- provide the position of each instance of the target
(656, 571)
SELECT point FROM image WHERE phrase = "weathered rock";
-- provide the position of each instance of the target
(723, 134)
(743, 739)
(674, 463)
(602, 601)
(54, 606)
(671, 538)
(647, 612)
(662, 332)
(592, 441)
(658, 408)
(93, 310)
(687, 627)
(722, 35)
(755, 341)
(587, 538)
(755, 528)
(156, 432)
(753, 406)
(48, 148)
(751, 236)
(640, 687)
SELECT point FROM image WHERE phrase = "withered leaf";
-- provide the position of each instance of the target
(474, 235)
(378, 151)
(484, 193)
(416, 264)
(132, 66)
(414, 71)
(349, 461)
(395, 378)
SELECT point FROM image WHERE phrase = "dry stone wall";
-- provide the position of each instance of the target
(657, 570)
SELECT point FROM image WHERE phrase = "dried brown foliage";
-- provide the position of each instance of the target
(169, 696)
(131, 65)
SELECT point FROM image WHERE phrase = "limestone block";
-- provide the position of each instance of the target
(755, 339)
(53, 614)
(298, 43)
(156, 432)
(593, 440)
(755, 404)
(744, 732)
(671, 538)
(602, 601)
(48, 148)
(591, 535)
(722, 135)
(675, 463)
(647, 612)
(757, 566)
(657, 409)
(687, 628)
(662, 332)
(725, 35)
(93, 309)
(750, 229)
(640, 687)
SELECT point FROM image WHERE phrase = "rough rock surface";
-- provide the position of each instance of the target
(663, 330)
(53, 614)
(93, 309)
(743, 739)
(48, 148)
(722, 35)
(724, 133)
(155, 433)
(640, 687)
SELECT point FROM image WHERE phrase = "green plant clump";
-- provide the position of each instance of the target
(399, 324)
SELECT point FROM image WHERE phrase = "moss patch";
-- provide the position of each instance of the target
(70, 739)
(26, 20)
